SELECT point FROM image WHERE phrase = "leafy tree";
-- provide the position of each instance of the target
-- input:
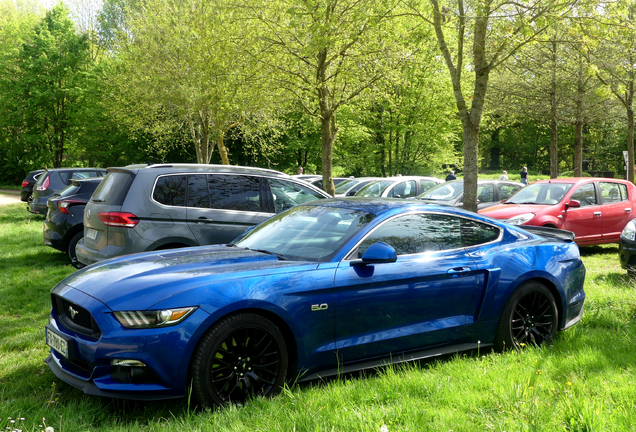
(324, 54)
(45, 80)
(498, 28)
(181, 67)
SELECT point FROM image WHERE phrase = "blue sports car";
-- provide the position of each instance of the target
(327, 287)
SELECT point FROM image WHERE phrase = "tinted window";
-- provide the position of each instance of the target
(171, 190)
(288, 194)
(585, 194)
(611, 192)
(412, 234)
(113, 189)
(475, 233)
(235, 192)
(505, 190)
(198, 191)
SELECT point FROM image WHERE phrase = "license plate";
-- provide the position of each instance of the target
(91, 234)
(56, 342)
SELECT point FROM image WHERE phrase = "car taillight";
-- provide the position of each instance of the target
(25, 183)
(66, 204)
(120, 219)
(45, 184)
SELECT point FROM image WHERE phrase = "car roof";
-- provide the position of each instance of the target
(482, 181)
(74, 169)
(581, 180)
(378, 206)
(204, 168)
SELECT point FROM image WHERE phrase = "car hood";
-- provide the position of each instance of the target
(149, 278)
(506, 211)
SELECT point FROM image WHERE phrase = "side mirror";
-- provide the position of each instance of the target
(573, 204)
(377, 253)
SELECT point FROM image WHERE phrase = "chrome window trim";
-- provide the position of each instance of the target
(349, 257)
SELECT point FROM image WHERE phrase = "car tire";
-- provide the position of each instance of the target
(71, 245)
(530, 317)
(241, 356)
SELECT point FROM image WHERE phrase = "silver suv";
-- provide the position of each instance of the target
(142, 208)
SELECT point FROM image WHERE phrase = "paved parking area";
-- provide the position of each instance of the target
(9, 197)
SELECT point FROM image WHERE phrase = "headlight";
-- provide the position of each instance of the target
(629, 232)
(151, 319)
(520, 219)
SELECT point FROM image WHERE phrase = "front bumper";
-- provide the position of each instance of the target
(627, 254)
(166, 352)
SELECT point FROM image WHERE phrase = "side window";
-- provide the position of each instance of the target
(610, 192)
(171, 190)
(485, 193)
(623, 189)
(65, 177)
(585, 194)
(418, 233)
(287, 194)
(476, 233)
(235, 192)
(405, 189)
(505, 190)
(83, 174)
(198, 191)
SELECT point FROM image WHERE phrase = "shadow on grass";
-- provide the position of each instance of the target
(599, 250)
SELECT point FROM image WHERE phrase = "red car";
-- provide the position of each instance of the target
(595, 209)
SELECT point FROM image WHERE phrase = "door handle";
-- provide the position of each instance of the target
(459, 271)
(203, 220)
(627, 210)
(597, 213)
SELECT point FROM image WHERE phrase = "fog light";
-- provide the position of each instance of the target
(127, 362)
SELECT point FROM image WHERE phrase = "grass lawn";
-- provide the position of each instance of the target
(584, 381)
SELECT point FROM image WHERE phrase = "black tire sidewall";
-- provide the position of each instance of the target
(503, 337)
(202, 358)
(70, 250)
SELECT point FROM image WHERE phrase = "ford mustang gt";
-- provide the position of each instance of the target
(327, 287)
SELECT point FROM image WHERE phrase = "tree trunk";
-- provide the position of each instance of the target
(222, 150)
(578, 148)
(471, 152)
(328, 135)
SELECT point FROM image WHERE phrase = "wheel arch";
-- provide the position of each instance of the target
(277, 320)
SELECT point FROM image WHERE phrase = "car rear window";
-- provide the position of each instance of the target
(69, 190)
(114, 188)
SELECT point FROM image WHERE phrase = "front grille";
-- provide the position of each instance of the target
(76, 318)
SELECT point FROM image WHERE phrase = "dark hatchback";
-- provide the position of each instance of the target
(64, 223)
(28, 183)
(55, 180)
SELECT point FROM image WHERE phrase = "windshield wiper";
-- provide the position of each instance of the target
(279, 256)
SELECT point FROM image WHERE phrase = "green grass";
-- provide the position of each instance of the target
(11, 186)
(584, 381)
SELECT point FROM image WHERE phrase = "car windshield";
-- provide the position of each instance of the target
(443, 192)
(540, 193)
(375, 189)
(345, 186)
(305, 233)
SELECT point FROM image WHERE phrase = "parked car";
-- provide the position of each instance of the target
(349, 187)
(151, 207)
(398, 187)
(54, 180)
(595, 209)
(451, 193)
(318, 182)
(627, 248)
(326, 287)
(28, 183)
(64, 222)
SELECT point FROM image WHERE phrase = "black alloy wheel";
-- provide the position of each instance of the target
(530, 317)
(71, 245)
(240, 357)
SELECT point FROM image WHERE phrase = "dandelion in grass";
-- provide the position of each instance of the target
(569, 384)
(538, 372)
